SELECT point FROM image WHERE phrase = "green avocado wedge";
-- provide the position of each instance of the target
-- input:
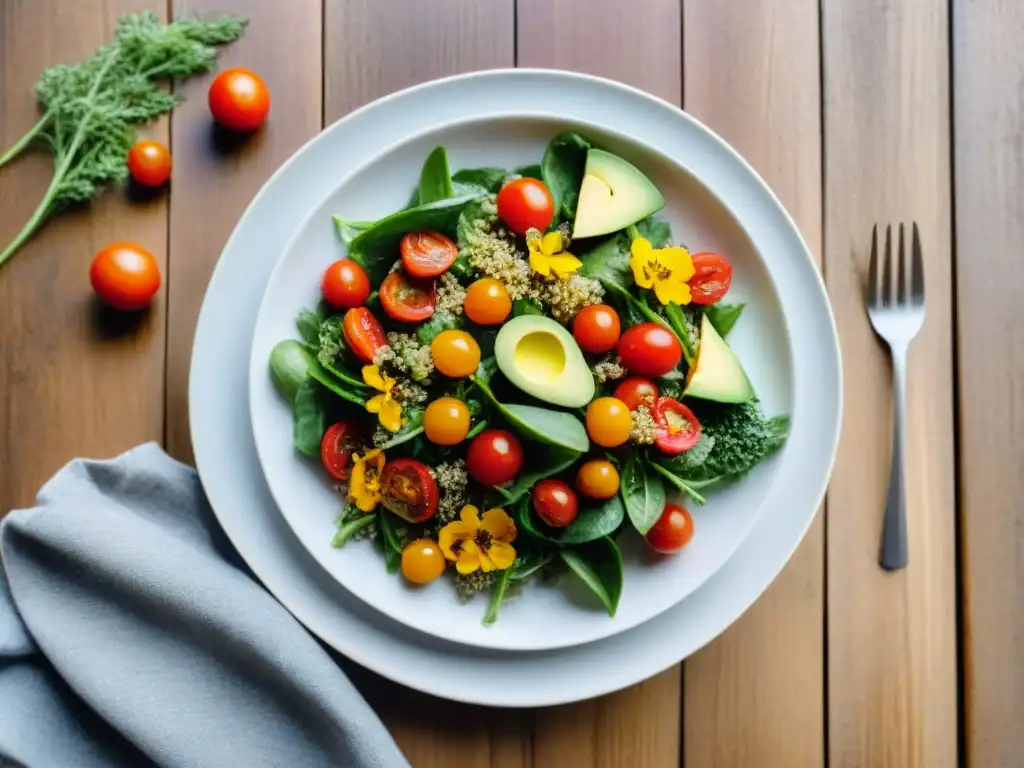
(541, 357)
(717, 374)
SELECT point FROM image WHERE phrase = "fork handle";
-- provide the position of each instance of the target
(894, 531)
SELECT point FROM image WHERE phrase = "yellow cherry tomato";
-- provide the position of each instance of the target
(446, 421)
(598, 479)
(608, 421)
(422, 561)
(487, 302)
(456, 354)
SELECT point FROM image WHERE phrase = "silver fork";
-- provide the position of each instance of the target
(896, 315)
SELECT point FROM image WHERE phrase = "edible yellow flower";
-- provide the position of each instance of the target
(474, 544)
(364, 482)
(664, 269)
(546, 255)
(386, 407)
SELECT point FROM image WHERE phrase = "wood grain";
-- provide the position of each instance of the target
(891, 636)
(988, 78)
(74, 379)
(755, 696)
(216, 174)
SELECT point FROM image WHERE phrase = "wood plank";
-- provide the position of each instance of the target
(755, 696)
(638, 727)
(988, 78)
(74, 379)
(215, 175)
(891, 636)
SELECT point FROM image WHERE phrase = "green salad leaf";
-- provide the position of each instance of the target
(350, 230)
(565, 159)
(724, 316)
(440, 321)
(530, 171)
(642, 492)
(556, 428)
(599, 566)
(389, 540)
(593, 521)
(289, 367)
(529, 560)
(688, 488)
(308, 324)
(548, 462)
(412, 426)
(308, 418)
(479, 181)
(350, 528)
(435, 178)
(498, 590)
(522, 307)
(685, 330)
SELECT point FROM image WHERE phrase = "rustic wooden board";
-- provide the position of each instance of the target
(755, 696)
(892, 683)
(988, 70)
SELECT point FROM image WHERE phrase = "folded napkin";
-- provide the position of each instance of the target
(131, 635)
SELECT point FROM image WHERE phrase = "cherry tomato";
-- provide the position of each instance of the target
(711, 278)
(555, 503)
(446, 421)
(524, 204)
(494, 457)
(649, 349)
(345, 284)
(597, 479)
(672, 532)
(427, 254)
(596, 328)
(407, 299)
(336, 447)
(456, 354)
(149, 163)
(363, 333)
(239, 99)
(125, 275)
(636, 391)
(422, 561)
(676, 429)
(608, 421)
(409, 490)
(487, 302)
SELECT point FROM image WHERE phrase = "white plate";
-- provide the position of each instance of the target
(231, 473)
(542, 616)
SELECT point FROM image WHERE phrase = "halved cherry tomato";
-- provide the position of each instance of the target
(409, 490)
(672, 531)
(363, 333)
(407, 299)
(676, 429)
(596, 328)
(239, 99)
(524, 204)
(597, 479)
(427, 254)
(487, 302)
(649, 349)
(494, 457)
(125, 275)
(711, 278)
(608, 422)
(555, 502)
(636, 391)
(149, 163)
(345, 284)
(422, 561)
(336, 447)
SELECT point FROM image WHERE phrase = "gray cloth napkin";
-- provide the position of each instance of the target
(131, 635)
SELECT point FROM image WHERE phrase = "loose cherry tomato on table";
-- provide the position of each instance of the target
(597, 479)
(676, 428)
(649, 349)
(494, 457)
(239, 99)
(336, 447)
(608, 422)
(149, 163)
(409, 490)
(635, 391)
(596, 328)
(524, 204)
(345, 284)
(555, 503)
(672, 531)
(363, 333)
(487, 302)
(407, 299)
(422, 561)
(446, 421)
(711, 279)
(125, 275)
(427, 254)
(456, 354)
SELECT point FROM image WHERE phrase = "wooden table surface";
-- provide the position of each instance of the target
(856, 112)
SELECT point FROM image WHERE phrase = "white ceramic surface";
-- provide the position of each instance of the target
(543, 615)
(228, 465)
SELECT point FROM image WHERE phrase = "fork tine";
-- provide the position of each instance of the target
(901, 274)
(917, 269)
(887, 268)
(873, 269)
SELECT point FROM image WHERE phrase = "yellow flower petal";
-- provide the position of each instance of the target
(677, 261)
(372, 378)
(376, 403)
(639, 262)
(469, 558)
(390, 415)
(564, 264)
(450, 534)
(502, 555)
(668, 291)
(470, 515)
(539, 263)
(641, 248)
(499, 525)
(551, 243)
(486, 564)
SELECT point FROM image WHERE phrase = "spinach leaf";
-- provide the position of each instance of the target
(656, 230)
(308, 324)
(440, 321)
(565, 159)
(498, 589)
(349, 230)
(461, 268)
(335, 384)
(724, 316)
(529, 560)
(522, 307)
(412, 425)
(530, 171)
(549, 461)
(479, 180)
(308, 418)
(389, 540)
(347, 530)
(486, 370)
(679, 483)
(556, 428)
(466, 223)
(643, 493)
(599, 566)
(289, 365)
(608, 261)
(593, 522)
(435, 178)
(376, 248)
(525, 521)
(684, 329)
(476, 429)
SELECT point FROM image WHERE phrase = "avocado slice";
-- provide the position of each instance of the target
(716, 373)
(542, 358)
(614, 194)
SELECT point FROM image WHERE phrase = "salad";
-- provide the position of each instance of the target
(517, 369)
